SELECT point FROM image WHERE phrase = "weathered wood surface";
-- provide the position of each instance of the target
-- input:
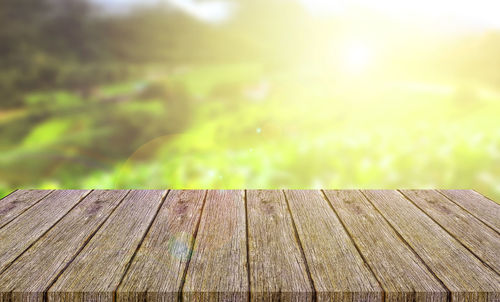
(158, 268)
(17, 202)
(484, 209)
(402, 274)
(277, 267)
(471, 232)
(98, 269)
(337, 269)
(34, 271)
(462, 273)
(257, 245)
(218, 266)
(25, 229)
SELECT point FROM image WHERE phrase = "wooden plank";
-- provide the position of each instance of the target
(400, 271)
(97, 270)
(157, 270)
(337, 269)
(26, 228)
(277, 267)
(484, 209)
(7, 195)
(475, 235)
(218, 267)
(462, 273)
(32, 273)
(14, 204)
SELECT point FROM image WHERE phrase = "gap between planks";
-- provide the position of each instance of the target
(299, 243)
(191, 246)
(127, 267)
(488, 245)
(464, 275)
(384, 290)
(246, 221)
(22, 206)
(87, 240)
(28, 244)
(478, 217)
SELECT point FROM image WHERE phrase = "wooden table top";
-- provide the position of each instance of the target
(239, 245)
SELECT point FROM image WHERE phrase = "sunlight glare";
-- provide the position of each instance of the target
(356, 57)
(209, 11)
(464, 14)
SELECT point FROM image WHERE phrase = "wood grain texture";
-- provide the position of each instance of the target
(14, 204)
(96, 272)
(484, 209)
(265, 245)
(34, 271)
(277, 267)
(26, 228)
(401, 273)
(475, 235)
(463, 274)
(218, 267)
(157, 270)
(337, 269)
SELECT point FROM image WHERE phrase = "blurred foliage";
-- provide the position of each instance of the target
(154, 98)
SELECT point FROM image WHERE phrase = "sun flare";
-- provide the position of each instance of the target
(357, 57)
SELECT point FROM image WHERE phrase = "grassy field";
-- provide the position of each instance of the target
(243, 126)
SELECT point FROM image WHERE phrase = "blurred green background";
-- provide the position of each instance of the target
(248, 94)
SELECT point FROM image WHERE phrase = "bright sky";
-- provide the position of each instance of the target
(464, 14)
(214, 11)
(210, 11)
